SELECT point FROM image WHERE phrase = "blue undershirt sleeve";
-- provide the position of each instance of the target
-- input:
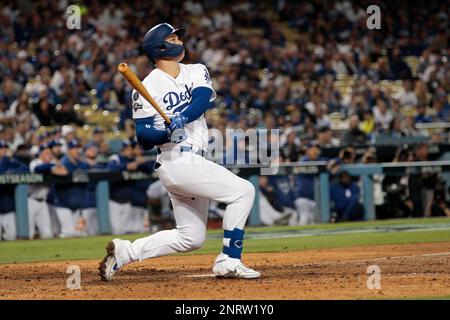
(200, 103)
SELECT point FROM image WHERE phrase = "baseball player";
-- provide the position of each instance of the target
(38, 210)
(56, 149)
(139, 209)
(89, 206)
(184, 92)
(7, 201)
(69, 197)
(120, 211)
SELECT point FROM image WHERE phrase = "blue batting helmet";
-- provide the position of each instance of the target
(155, 46)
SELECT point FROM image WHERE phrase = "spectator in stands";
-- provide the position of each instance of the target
(409, 127)
(291, 148)
(383, 116)
(347, 155)
(441, 108)
(344, 194)
(66, 114)
(5, 116)
(395, 129)
(325, 138)
(407, 96)
(368, 124)
(422, 116)
(354, 135)
(44, 109)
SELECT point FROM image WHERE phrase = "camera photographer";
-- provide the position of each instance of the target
(440, 206)
(422, 185)
(398, 202)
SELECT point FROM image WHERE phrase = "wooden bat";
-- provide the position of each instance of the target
(131, 77)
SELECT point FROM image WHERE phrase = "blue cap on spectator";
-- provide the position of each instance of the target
(98, 130)
(126, 143)
(3, 144)
(53, 143)
(43, 146)
(73, 144)
(90, 145)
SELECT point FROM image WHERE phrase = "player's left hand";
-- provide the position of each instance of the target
(178, 135)
(176, 127)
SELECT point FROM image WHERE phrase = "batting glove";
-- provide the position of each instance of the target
(177, 122)
(176, 128)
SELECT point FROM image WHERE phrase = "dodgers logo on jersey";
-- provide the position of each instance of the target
(173, 99)
(207, 77)
(136, 104)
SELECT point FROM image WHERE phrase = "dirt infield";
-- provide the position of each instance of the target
(413, 270)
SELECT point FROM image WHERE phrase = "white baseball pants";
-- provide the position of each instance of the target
(56, 228)
(8, 226)
(119, 216)
(39, 217)
(192, 181)
(90, 216)
(68, 221)
(137, 219)
(306, 209)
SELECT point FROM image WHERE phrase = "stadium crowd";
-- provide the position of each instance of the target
(311, 68)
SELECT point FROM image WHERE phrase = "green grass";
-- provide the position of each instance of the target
(93, 248)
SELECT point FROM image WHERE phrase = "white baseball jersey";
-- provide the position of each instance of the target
(174, 95)
(37, 191)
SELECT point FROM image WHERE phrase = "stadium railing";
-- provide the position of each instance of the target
(103, 178)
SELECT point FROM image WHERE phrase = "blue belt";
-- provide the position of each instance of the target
(186, 149)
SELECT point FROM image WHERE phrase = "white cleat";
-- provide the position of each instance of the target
(108, 266)
(233, 268)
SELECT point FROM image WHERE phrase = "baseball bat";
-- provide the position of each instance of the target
(134, 81)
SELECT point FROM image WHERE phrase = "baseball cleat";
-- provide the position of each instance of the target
(234, 269)
(108, 266)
